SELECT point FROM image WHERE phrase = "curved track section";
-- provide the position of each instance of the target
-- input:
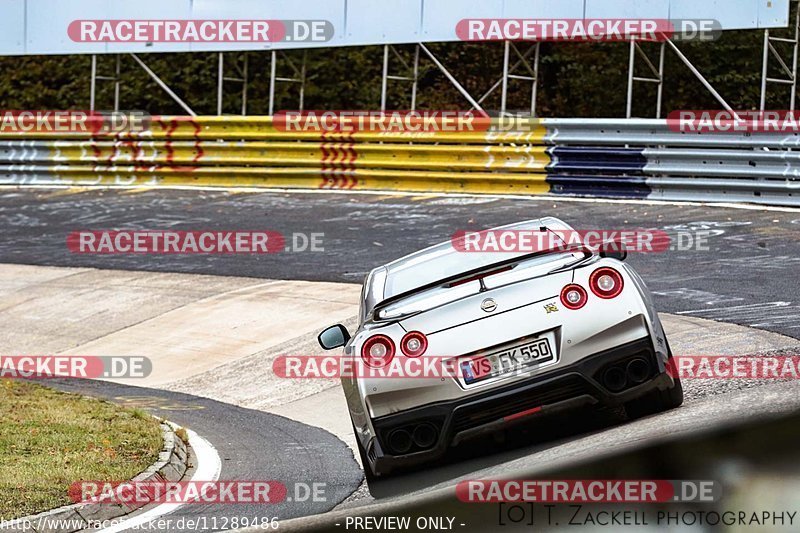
(219, 329)
(741, 276)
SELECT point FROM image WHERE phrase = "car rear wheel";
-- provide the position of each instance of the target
(368, 475)
(656, 401)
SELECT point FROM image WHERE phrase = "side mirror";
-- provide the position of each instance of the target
(614, 250)
(334, 337)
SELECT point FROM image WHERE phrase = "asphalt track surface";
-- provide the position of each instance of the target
(747, 276)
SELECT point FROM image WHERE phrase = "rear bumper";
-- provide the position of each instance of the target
(571, 387)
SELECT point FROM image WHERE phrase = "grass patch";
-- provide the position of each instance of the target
(182, 434)
(51, 439)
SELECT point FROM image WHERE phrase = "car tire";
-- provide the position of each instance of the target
(369, 476)
(657, 401)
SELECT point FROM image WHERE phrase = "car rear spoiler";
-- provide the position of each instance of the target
(488, 270)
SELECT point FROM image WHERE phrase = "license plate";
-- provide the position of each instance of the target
(524, 356)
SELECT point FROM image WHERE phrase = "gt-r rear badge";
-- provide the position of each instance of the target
(551, 308)
(488, 305)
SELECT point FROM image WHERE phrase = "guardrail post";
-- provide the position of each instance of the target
(95, 78)
(117, 81)
(303, 81)
(220, 70)
(504, 90)
(246, 81)
(384, 76)
(272, 68)
(221, 79)
(764, 67)
(412, 69)
(789, 71)
(657, 72)
(631, 65)
(416, 79)
(93, 83)
(660, 92)
(300, 78)
(535, 83)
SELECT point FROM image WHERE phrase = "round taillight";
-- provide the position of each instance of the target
(377, 351)
(413, 344)
(573, 296)
(606, 282)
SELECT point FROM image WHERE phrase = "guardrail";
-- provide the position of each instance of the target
(601, 158)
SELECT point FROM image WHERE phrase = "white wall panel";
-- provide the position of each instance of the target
(40, 26)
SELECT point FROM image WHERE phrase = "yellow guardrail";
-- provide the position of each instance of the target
(286, 177)
(254, 151)
(612, 158)
(525, 158)
(178, 128)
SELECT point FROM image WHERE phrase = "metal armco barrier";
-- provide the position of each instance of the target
(596, 158)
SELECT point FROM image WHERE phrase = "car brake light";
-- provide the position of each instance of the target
(573, 296)
(606, 282)
(377, 351)
(413, 344)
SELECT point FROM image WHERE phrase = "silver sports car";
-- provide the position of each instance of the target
(530, 333)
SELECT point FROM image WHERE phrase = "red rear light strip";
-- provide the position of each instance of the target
(521, 414)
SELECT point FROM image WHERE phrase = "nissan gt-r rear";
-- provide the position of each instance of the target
(530, 333)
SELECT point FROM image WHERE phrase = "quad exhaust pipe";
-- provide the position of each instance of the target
(638, 371)
(400, 441)
(614, 379)
(618, 377)
(422, 437)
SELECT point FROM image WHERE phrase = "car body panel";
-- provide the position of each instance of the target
(525, 304)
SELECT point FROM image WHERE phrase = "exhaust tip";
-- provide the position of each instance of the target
(638, 370)
(614, 379)
(425, 435)
(400, 441)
